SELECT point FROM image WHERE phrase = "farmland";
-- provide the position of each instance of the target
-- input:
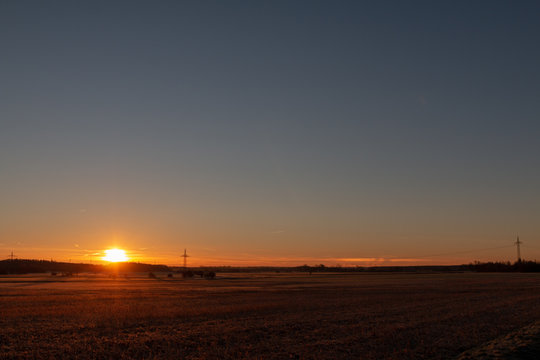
(270, 315)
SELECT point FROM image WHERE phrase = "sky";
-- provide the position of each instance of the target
(270, 132)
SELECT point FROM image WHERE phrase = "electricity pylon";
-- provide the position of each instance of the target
(185, 256)
(518, 243)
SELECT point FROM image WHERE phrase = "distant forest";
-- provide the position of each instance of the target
(22, 266)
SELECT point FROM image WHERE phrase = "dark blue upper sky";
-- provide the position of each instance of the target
(278, 128)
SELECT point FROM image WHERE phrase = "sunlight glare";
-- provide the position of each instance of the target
(115, 255)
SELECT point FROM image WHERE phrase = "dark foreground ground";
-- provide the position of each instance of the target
(268, 316)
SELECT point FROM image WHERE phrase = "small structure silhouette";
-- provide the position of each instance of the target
(209, 275)
(187, 274)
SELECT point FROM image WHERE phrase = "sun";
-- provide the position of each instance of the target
(115, 255)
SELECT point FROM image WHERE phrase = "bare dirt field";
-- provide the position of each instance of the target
(266, 316)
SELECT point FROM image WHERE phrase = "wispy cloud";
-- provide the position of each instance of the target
(380, 259)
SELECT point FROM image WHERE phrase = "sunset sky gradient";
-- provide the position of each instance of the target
(270, 132)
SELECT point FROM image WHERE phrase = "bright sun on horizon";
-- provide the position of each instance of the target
(115, 255)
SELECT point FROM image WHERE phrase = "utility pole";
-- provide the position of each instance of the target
(185, 256)
(11, 256)
(518, 243)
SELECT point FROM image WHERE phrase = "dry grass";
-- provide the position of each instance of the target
(272, 316)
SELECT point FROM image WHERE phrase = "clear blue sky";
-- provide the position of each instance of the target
(270, 131)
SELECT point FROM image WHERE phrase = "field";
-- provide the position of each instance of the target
(268, 316)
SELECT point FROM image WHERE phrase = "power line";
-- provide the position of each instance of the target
(530, 247)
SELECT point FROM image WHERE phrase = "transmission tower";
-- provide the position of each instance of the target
(518, 243)
(185, 256)
(11, 256)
